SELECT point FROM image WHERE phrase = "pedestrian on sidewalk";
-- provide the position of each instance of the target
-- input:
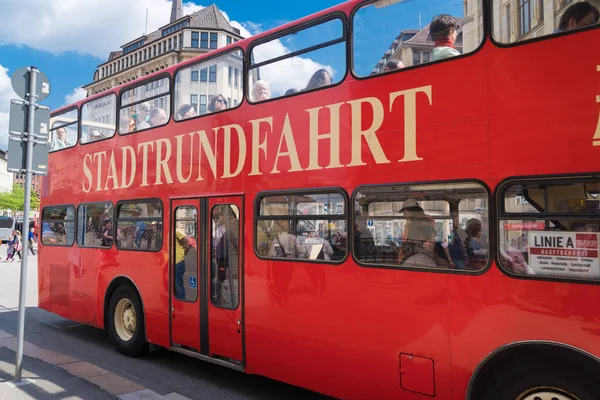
(16, 245)
(31, 241)
(10, 248)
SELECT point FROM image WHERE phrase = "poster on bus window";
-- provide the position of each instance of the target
(567, 254)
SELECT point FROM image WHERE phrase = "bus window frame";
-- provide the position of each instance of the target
(41, 228)
(240, 253)
(501, 215)
(77, 225)
(492, 223)
(200, 61)
(486, 34)
(553, 35)
(77, 121)
(287, 217)
(346, 33)
(80, 133)
(141, 201)
(137, 84)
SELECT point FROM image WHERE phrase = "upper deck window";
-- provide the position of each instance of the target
(63, 130)
(389, 37)
(438, 225)
(212, 85)
(99, 119)
(304, 60)
(145, 106)
(529, 19)
(551, 228)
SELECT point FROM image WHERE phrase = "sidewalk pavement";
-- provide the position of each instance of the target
(51, 375)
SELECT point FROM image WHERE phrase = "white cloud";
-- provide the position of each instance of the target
(76, 95)
(94, 27)
(6, 94)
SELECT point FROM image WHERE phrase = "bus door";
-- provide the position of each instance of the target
(206, 261)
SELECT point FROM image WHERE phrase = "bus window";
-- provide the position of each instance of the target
(94, 225)
(515, 22)
(99, 119)
(438, 225)
(58, 226)
(225, 256)
(186, 253)
(389, 36)
(551, 228)
(145, 106)
(305, 60)
(307, 226)
(209, 86)
(63, 130)
(139, 224)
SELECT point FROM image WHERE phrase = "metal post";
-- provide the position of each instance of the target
(32, 97)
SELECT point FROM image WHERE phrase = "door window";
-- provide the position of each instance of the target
(224, 269)
(185, 270)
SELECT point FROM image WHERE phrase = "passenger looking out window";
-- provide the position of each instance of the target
(186, 111)
(217, 103)
(319, 79)
(60, 140)
(578, 15)
(444, 31)
(261, 91)
(393, 65)
(158, 117)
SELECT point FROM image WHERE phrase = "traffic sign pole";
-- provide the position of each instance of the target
(32, 98)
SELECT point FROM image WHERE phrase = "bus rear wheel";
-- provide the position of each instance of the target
(540, 381)
(126, 322)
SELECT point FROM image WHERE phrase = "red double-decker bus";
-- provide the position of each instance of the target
(352, 203)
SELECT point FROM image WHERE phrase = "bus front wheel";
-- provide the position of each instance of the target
(540, 381)
(126, 322)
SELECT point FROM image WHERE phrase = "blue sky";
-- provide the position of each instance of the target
(74, 36)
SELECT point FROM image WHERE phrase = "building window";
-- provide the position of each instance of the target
(235, 77)
(203, 75)
(212, 73)
(195, 39)
(139, 225)
(416, 58)
(550, 228)
(425, 56)
(58, 226)
(181, 41)
(302, 226)
(94, 225)
(170, 43)
(194, 101)
(195, 76)
(437, 226)
(202, 104)
(525, 16)
(204, 40)
(228, 39)
(229, 76)
(213, 40)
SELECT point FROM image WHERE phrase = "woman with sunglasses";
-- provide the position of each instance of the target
(218, 103)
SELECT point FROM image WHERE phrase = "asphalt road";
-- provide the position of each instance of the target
(161, 371)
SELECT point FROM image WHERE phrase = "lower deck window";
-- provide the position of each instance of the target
(58, 226)
(442, 225)
(551, 228)
(94, 225)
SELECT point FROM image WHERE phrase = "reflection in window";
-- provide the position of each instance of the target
(213, 75)
(145, 106)
(63, 130)
(390, 37)
(551, 228)
(225, 256)
(94, 225)
(423, 226)
(58, 226)
(293, 67)
(99, 119)
(303, 226)
(185, 269)
(140, 225)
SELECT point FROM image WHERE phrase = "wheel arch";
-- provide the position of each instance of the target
(506, 355)
(118, 281)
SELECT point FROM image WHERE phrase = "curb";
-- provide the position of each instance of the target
(110, 382)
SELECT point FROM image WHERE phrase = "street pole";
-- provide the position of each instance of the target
(32, 97)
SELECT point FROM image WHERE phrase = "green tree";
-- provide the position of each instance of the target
(15, 200)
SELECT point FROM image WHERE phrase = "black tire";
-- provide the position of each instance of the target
(136, 345)
(530, 377)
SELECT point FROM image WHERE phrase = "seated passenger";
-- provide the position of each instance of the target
(94, 135)
(290, 91)
(419, 247)
(60, 140)
(393, 65)
(260, 91)
(475, 244)
(143, 116)
(444, 31)
(578, 15)
(123, 125)
(285, 244)
(132, 125)
(319, 79)
(217, 103)
(158, 117)
(185, 111)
